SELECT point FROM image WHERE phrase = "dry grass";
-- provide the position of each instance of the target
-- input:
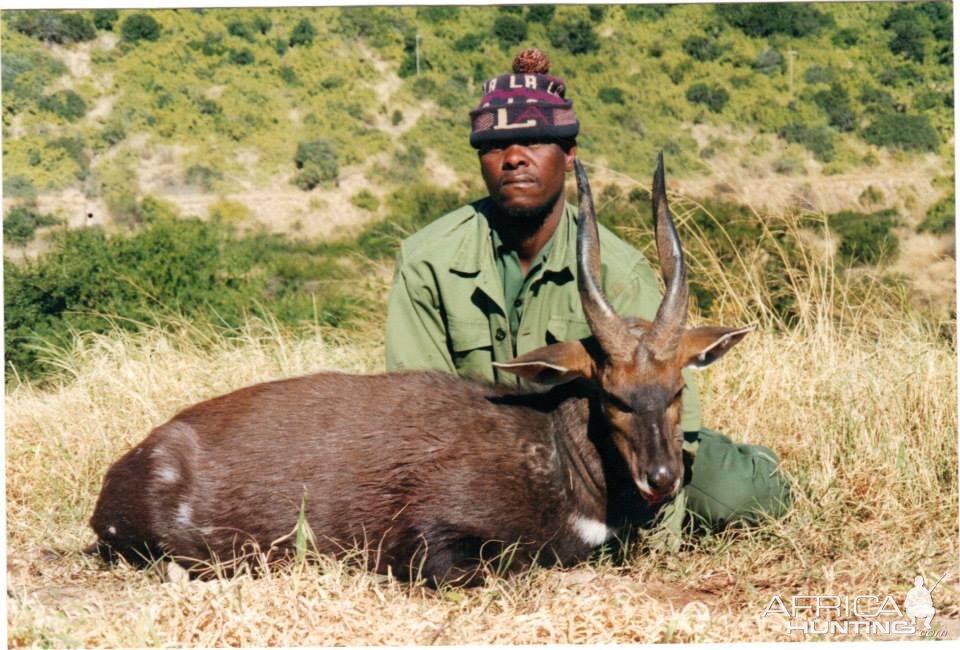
(858, 398)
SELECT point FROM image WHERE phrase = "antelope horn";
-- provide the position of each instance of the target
(610, 330)
(671, 316)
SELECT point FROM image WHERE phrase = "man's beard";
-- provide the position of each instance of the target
(516, 225)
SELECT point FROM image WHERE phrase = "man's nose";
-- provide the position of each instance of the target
(515, 156)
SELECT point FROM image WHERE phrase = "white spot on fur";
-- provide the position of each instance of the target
(184, 514)
(591, 531)
(168, 474)
(112, 530)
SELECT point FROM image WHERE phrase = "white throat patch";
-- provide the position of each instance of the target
(591, 531)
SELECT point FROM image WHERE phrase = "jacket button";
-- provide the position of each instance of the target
(501, 334)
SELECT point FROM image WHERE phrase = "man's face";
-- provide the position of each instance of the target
(525, 177)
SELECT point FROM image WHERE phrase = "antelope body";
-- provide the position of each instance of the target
(429, 472)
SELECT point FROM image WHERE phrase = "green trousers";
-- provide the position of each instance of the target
(725, 483)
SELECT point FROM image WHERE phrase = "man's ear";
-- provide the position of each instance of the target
(552, 364)
(570, 154)
(701, 346)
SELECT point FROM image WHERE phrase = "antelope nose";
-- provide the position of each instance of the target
(661, 479)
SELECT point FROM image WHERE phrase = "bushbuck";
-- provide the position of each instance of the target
(432, 473)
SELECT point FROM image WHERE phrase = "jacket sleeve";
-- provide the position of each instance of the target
(639, 295)
(415, 335)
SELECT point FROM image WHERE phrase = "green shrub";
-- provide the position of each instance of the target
(941, 217)
(908, 132)
(411, 208)
(19, 187)
(702, 48)
(817, 139)
(846, 37)
(21, 223)
(242, 30)
(509, 30)
(65, 103)
(289, 75)
(365, 200)
(596, 12)
(468, 43)
(202, 176)
(819, 75)
(74, 148)
(575, 35)
(798, 19)
(542, 14)
(712, 96)
(768, 61)
(876, 100)
(53, 26)
(871, 196)
(636, 13)
(140, 27)
(865, 238)
(280, 46)
(303, 33)
(611, 95)
(835, 102)
(438, 14)
(105, 18)
(909, 40)
(262, 24)
(396, 117)
(242, 57)
(317, 162)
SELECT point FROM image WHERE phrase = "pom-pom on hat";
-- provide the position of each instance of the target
(527, 104)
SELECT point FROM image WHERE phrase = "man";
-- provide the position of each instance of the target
(496, 279)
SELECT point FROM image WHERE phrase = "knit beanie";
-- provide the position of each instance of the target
(527, 104)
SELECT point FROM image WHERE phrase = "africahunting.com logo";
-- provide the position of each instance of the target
(861, 614)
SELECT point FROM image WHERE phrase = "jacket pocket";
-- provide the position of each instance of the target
(470, 347)
(561, 328)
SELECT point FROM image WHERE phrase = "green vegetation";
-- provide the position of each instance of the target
(865, 238)
(800, 19)
(139, 27)
(105, 18)
(65, 103)
(22, 221)
(53, 26)
(711, 95)
(317, 162)
(909, 132)
(941, 217)
(509, 30)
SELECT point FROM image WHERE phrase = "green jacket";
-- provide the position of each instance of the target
(446, 309)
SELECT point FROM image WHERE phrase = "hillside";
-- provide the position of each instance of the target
(314, 124)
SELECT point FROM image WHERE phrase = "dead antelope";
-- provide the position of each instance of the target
(433, 472)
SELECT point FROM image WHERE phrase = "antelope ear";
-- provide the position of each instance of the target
(701, 346)
(552, 364)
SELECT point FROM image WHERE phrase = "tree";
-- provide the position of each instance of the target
(138, 27)
(509, 30)
(574, 35)
(303, 33)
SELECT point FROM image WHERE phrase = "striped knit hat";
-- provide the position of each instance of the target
(524, 105)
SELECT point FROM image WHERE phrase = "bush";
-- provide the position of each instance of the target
(19, 187)
(908, 132)
(65, 103)
(303, 33)
(815, 138)
(768, 61)
(242, 57)
(876, 100)
(240, 29)
(835, 102)
(909, 40)
(438, 14)
(576, 36)
(280, 46)
(262, 24)
(767, 19)
(396, 117)
(865, 238)
(317, 162)
(105, 18)
(636, 13)
(611, 95)
(846, 37)
(542, 14)
(702, 48)
(202, 176)
(509, 30)
(137, 27)
(819, 75)
(365, 200)
(941, 217)
(54, 26)
(468, 43)
(712, 96)
(21, 223)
